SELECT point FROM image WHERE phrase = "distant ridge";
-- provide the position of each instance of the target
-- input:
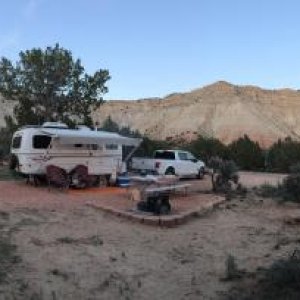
(221, 110)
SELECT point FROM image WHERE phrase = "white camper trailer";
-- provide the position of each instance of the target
(35, 147)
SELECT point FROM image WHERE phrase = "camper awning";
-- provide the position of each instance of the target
(69, 136)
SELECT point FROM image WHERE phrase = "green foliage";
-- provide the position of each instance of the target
(110, 125)
(206, 148)
(288, 190)
(291, 187)
(282, 155)
(148, 146)
(51, 86)
(269, 191)
(224, 173)
(280, 281)
(247, 154)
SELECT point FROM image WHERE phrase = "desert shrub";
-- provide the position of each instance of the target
(290, 188)
(224, 173)
(110, 125)
(206, 148)
(282, 155)
(285, 272)
(280, 281)
(267, 190)
(231, 269)
(295, 169)
(247, 154)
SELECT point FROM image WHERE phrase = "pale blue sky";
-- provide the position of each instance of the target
(156, 47)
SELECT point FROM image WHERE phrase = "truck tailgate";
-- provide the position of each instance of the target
(140, 163)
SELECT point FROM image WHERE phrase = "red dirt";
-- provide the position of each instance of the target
(72, 251)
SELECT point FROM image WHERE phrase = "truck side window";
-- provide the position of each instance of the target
(16, 143)
(41, 141)
(183, 156)
(165, 155)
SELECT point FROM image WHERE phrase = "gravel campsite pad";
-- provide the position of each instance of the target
(57, 247)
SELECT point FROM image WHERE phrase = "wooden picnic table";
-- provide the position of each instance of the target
(155, 191)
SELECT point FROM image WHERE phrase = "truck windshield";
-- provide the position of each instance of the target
(164, 155)
(190, 156)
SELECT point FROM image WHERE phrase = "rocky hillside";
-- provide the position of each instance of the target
(220, 110)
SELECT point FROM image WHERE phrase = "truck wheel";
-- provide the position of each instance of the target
(170, 171)
(201, 173)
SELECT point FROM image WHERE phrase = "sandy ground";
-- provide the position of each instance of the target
(72, 251)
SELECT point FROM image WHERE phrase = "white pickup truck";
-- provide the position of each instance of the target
(171, 162)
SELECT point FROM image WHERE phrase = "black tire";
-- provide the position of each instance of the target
(170, 171)
(201, 173)
(142, 206)
(162, 205)
(164, 209)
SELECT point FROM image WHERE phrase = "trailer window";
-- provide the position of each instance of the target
(164, 155)
(16, 142)
(96, 147)
(111, 147)
(41, 141)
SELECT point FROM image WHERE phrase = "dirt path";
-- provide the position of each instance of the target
(71, 251)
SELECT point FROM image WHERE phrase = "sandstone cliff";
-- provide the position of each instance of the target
(220, 110)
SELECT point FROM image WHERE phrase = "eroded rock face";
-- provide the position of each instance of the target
(221, 110)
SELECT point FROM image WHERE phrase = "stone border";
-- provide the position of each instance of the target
(161, 221)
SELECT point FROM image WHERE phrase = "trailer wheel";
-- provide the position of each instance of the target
(170, 171)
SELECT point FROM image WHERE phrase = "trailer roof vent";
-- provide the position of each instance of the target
(56, 125)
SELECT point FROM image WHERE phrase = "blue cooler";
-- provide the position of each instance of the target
(123, 181)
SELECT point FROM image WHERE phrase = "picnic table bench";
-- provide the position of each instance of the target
(168, 188)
